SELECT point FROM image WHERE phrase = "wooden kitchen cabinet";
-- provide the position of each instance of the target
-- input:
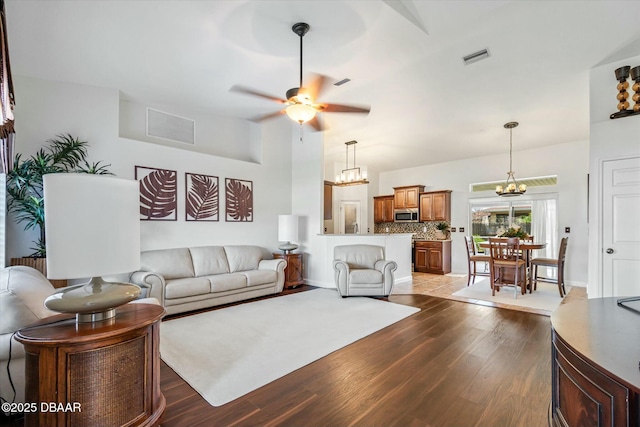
(435, 206)
(407, 197)
(383, 209)
(432, 256)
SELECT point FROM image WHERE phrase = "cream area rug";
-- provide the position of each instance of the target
(226, 353)
(546, 297)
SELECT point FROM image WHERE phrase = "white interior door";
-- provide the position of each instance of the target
(350, 217)
(620, 227)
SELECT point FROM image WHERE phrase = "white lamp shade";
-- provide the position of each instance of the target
(287, 228)
(92, 225)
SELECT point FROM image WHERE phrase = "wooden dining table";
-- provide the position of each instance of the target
(526, 248)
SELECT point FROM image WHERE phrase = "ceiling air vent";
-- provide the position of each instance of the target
(341, 82)
(476, 56)
(167, 126)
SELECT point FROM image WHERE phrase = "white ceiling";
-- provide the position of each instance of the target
(403, 59)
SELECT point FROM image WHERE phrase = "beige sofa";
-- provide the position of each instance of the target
(185, 279)
(22, 294)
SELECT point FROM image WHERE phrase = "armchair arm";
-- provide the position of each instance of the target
(387, 268)
(383, 265)
(341, 276)
(152, 284)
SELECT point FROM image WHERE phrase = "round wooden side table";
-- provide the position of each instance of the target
(95, 374)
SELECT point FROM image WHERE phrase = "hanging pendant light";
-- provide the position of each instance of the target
(511, 187)
(351, 176)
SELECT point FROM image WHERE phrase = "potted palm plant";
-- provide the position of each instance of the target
(65, 154)
(443, 230)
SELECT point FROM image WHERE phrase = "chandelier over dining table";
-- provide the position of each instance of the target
(511, 187)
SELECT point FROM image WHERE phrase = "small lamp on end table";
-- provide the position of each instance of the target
(93, 229)
(103, 366)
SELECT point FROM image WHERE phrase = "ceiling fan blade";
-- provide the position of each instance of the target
(267, 116)
(337, 108)
(316, 86)
(316, 124)
(248, 91)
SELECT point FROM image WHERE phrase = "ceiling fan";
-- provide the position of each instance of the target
(301, 105)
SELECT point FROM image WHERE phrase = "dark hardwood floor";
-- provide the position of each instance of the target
(451, 364)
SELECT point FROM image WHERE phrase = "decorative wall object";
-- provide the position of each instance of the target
(158, 194)
(622, 74)
(239, 200)
(201, 197)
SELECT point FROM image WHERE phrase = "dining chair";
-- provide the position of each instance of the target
(506, 266)
(552, 263)
(473, 259)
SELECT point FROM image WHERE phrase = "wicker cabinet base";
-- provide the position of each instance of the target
(106, 373)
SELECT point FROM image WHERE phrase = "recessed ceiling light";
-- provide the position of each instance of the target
(475, 57)
(341, 82)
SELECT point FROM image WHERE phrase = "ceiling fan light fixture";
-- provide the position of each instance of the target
(300, 112)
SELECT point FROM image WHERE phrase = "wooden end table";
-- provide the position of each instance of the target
(95, 374)
(293, 271)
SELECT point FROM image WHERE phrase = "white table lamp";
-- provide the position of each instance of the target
(92, 229)
(288, 232)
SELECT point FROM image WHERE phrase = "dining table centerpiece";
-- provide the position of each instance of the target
(514, 232)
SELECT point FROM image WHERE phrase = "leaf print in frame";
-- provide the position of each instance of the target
(238, 200)
(158, 194)
(201, 197)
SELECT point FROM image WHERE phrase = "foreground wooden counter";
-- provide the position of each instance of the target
(596, 364)
(95, 374)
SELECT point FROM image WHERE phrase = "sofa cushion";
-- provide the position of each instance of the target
(170, 263)
(227, 282)
(180, 288)
(209, 260)
(361, 276)
(243, 258)
(260, 277)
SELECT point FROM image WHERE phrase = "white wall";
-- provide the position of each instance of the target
(610, 139)
(44, 109)
(569, 161)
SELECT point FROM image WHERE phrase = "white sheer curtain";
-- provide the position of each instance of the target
(544, 228)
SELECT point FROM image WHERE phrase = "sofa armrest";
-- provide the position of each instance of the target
(272, 264)
(152, 284)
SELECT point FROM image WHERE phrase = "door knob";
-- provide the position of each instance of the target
(609, 251)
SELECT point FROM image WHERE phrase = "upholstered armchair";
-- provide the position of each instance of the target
(362, 270)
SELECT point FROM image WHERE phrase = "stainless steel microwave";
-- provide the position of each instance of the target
(405, 215)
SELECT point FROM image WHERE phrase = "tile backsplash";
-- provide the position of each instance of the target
(409, 227)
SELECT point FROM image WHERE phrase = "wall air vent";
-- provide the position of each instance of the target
(168, 126)
(476, 56)
(341, 82)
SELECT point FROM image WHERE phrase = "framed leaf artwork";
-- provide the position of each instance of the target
(201, 197)
(158, 194)
(239, 200)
